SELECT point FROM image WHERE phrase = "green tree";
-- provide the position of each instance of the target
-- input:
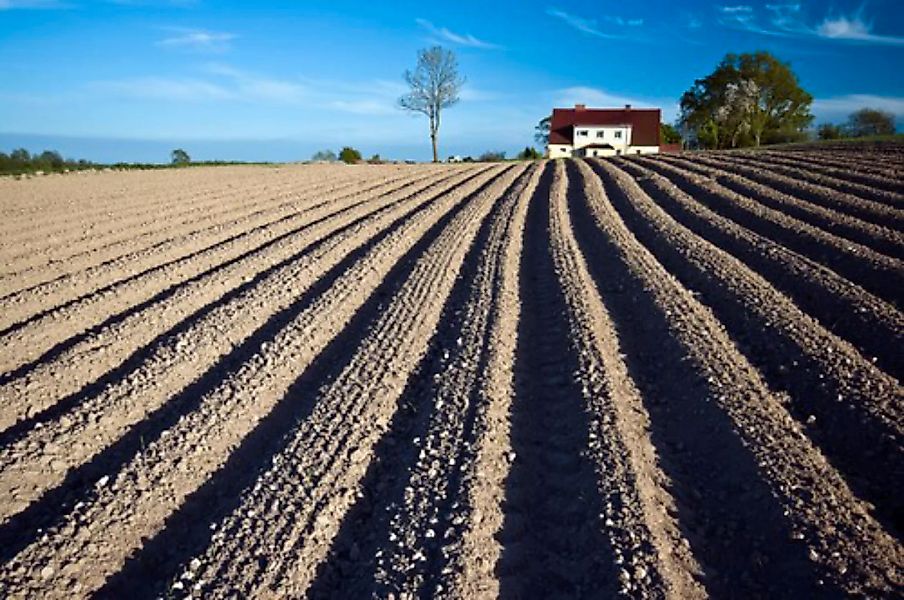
(747, 99)
(52, 159)
(869, 121)
(20, 156)
(529, 153)
(541, 131)
(180, 157)
(668, 134)
(324, 156)
(375, 160)
(434, 85)
(349, 155)
(492, 156)
(828, 131)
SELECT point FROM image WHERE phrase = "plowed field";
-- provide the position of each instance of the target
(672, 376)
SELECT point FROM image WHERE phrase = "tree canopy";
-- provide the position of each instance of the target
(21, 160)
(749, 99)
(434, 85)
(828, 131)
(869, 121)
(324, 156)
(492, 156)
(529, 153)
(180, 157)
(541, 131)
(349, 155)
(668, 134)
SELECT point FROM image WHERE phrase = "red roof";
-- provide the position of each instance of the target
(644, 123)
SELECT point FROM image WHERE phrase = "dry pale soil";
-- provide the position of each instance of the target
(672, 376)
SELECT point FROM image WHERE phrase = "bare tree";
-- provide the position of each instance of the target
(435, 85)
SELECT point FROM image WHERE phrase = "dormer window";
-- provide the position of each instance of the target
(583, 132)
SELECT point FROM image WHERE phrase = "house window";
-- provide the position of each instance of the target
(618, 134)
(583, 132)
(599, 134)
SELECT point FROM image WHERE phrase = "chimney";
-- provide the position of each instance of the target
(580, 107)
(627, 107)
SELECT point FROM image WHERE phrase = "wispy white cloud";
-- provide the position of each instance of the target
(465, 39)
(787, 20)
(854, 28)
(841, 106)
(622, 22)
(593, 27)
(588, 26)
(737, 9)
(197, 39)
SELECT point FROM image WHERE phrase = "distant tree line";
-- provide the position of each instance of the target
(865, 122)
(348, 155)
(21, 160)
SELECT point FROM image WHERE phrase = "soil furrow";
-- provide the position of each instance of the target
(165, 214)
(54, 274)
(880, 238)
(809, 196)
(764, 512)
(652, 553)
(31, 304)
(840, 306)
(39, 334)
(845, 404)
(553, 539)
(315, 463)
(111, 349)
(866, 172)
(877, 273)
(193, 356)
(222, 408)
(471, 565)
(647, 376)
(886, 190)
(406, 521)
(101, 195)
(98, 233)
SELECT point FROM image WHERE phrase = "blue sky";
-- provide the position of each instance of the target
(277, 80)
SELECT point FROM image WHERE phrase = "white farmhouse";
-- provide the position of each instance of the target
(582, 131)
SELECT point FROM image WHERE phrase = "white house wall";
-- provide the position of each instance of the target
(608, 135)
(560, 150)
